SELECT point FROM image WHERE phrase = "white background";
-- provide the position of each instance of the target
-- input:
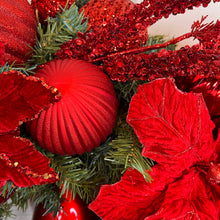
(174, 26)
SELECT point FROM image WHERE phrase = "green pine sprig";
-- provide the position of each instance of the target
(6, 211)
(81, 3)
(60, 29)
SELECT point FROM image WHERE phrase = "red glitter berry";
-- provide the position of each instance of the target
(101, 11)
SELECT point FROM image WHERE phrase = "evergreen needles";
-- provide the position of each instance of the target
(60, 29)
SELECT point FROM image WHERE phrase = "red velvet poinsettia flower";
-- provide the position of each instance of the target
(21, 98)
(174, 127)
(176, 131)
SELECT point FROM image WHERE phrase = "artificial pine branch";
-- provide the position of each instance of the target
(60, 29)
(84, 174)
(81, 3)
(6, 211)
(47, 195)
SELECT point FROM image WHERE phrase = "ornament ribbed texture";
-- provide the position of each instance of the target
(86, 113)
(17, 29)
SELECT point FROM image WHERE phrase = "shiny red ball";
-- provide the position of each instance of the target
(86, 113)
(18, 27)
(74, 209)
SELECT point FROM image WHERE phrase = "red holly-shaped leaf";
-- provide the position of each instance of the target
(174, 127)
(21, 163)
(21, 98)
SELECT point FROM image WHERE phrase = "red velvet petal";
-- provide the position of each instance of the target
(21, 163)
(132, 197)
(187, 198)
(213, 192)
(21, 98)
(174, 127)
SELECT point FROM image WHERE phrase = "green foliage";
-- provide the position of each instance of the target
(6, 211)
(158, 39)
(84, 174)
(81, 3)
(60, 29)
(4, 68)
(47, 194)
(25, 69)
(126, 90)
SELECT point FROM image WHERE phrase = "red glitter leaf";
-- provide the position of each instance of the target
(21, 98)
(174, 127)
(21, 163)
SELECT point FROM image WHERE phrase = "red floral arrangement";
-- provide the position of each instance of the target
(175, 112)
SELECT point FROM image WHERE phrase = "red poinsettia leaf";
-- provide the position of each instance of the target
(21, 98)
(132, 197)
(187, 198)
(21, 163)
(174, 127)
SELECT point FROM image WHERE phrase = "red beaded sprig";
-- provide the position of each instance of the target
(126, 32)
(201, 59)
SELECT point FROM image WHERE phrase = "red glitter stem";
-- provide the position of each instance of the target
(147, 48)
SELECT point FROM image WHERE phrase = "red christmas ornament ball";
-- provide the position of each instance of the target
(49, 8)
(86, 113)
(18, 27)
(72, 209)
(99, 11)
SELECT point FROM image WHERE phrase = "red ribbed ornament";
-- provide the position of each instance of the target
(100, 11)
(86, 113)
(17, 29)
